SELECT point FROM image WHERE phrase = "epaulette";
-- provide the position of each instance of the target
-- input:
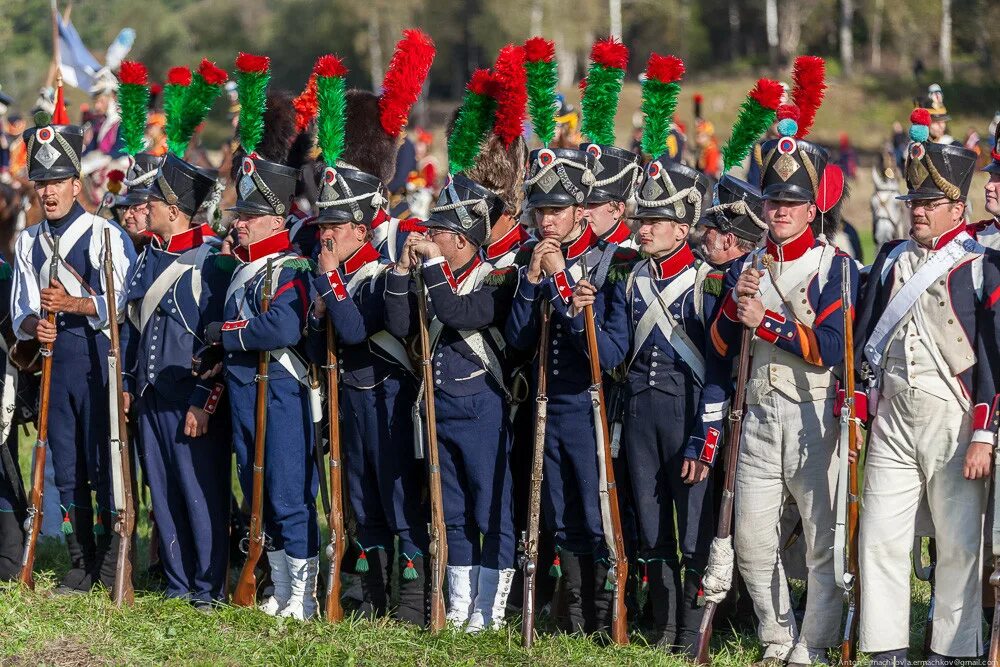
(300, 264)
(619, 271)
(6, 271)
(226, 263)
(714, 282)
(501, 277)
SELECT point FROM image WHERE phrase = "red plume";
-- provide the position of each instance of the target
(920, 117)
(133, 72)
(512, 93)
(809, 79)
(610, 53)
(666, 69)
(831, 188)
(789, 111)
(306, 105)
(330, 65)
(403, 80)
(179, 76)
(155, 89)
(539, 49)
(698, 98)
(248, 62)
(482, 83)
(214, 76)
(767, 93)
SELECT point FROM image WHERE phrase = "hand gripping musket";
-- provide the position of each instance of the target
(721, 553)
(338, 538)
(438, 533)
(610, 516)
(33, 523)
(121, 453)
(529, 539)
(845, 548)
(245, 594)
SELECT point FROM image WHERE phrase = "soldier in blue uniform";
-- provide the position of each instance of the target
(667, 309)
(290, 483)
(78, 413)
(558, 184)
(178, 286)
(377, 393)
(617, 172)
(468, 303)
(13, 501)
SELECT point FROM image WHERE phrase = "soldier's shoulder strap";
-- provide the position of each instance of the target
(504, 277)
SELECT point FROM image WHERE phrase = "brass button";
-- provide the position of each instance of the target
(960, 339)
(940, 303)
(803, 290)
(941, 283)
(951, 321)
(804, 302)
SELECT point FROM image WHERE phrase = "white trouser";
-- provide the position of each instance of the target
(917, 447)
(789, 448)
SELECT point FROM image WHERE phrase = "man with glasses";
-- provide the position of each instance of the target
(789, 294)
(926, 339)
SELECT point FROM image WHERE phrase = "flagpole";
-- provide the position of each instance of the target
(56, 59)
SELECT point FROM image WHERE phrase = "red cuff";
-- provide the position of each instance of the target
(985, 416)
(213, 399)
(710, 449)
(233, 325)
(775, 326)
(450, 276)
(860, 404)
(562, 286)
(729, 307)
(337, 285)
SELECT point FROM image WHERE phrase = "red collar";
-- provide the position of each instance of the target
(273, 244)
(207, 232)
(189, 238)
(617, 234)
(512, 239)
(582, 244)
(793, 249)
(468, 269)
(672, 265)
(943, 240)
(361, 256)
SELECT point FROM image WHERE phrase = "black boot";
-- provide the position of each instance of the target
(412, 591)
(896, 658)
(602, 592)
(11, 545)
(108, 544)
(664, 592)
(375, 581)
(78, 527)
(572, 592)
(692, 608)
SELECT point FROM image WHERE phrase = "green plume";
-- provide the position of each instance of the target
(251, 87)
(600, 103)
(473, 123)
(756, 115)
(205, 88)
(659, 101)
(330, 120)
(542, 80)
(133, 100)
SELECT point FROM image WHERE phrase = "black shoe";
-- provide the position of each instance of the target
(664, 596)
(82, 548)
(602, 597)
(413, 602)
(375, 582)
(572, 594)
(692, 608)
(204, 606)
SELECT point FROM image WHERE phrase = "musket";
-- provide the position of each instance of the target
(338, 537)
(121, 453)
(851, 583)
(33, 522)
(611, 518)
(438, 535)
(245, 594)
(529, 539)
(737, 409)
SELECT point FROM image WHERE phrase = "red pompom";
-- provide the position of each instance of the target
(698, 99)
(539, 49)
(306, 105)
(116, 175)
(512, 93)
(788, 111)
(809, 79)
(155, 89)
(411, 225)
(920, 117)
(179, 76)
(403, 80)
(214, 76)
(247, 62)
(482, 83)
(666, 69)
(831, 188)
(610, 53)
(767, 93)
(133, 72)
(329, 65)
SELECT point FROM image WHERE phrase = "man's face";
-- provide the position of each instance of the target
(558, 223)
(993, 195)
(162, 217)
(719, 247)
(136, 218)
(253, 227)
(454, 246)
(930, 218)
(602, 217)
(57, 197)
(347, 237)
(659, 237)
(938, 128)
(787, 219)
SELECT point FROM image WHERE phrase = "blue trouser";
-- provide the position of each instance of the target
(474, 440)
(656, 431)
(384, 480)
(290, 475)
(189, 485)
(79, 432)
(571, 486)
